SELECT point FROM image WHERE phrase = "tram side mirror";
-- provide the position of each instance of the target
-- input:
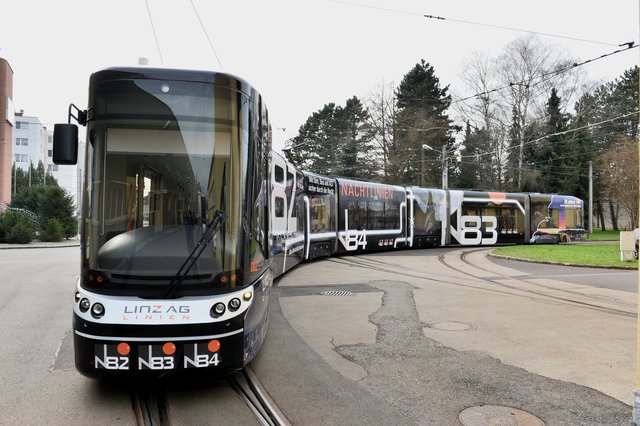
(65, 144)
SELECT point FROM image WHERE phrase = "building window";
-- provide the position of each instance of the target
(22, 158)
(50, 153)
(22, 125)
(52, 167)
(22, 142)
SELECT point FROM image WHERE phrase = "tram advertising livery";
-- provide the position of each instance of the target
(188, 216)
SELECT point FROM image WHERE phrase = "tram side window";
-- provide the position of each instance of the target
(357, 213)
(290, 190)
(321, 214)
(573, 218)
(391, 215)
(375, 215)
(538, 213)
(279, 207)
(279, 174)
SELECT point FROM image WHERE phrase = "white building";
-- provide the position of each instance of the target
(30, 141)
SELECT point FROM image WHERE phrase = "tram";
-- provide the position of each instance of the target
(174, 267)
(188, 216)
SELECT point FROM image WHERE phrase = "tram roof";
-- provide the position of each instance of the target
(197, 76)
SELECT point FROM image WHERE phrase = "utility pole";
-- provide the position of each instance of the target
(422, 167)
(445, 174)
(590, 197)
(636, 391)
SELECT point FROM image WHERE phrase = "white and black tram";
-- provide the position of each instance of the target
(188, 215)
(175, 268)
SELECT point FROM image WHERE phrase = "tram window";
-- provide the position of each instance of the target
(375, 215)
(357, 215)
(279, 174)
(321, 214)
(391, 216)
(152, 199)
(279, 207)
(290, 190)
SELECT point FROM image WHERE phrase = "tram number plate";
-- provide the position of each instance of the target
(156, 357)
(201, 355)
(111, 357)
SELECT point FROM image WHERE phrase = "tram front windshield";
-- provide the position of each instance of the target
(166, 165)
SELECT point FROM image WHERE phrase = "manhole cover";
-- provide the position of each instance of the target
(452, 326)
(337, 293)
(497, 415)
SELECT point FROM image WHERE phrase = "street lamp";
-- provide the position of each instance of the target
(445, 163)
(445, 176)
(425, 146)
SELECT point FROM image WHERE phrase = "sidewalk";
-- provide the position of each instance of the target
(71, 242)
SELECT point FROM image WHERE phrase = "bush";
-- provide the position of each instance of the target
(21, 233)
(52, 231)
(70, 227)
(15, 228)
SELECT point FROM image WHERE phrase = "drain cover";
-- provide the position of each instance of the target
(493, 415)
(452, 326)
(337, 293)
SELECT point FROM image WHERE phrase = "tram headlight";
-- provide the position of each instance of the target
(217, 310)
(77, 296)
(234, 304)
(85, 305)
(97, 310)
(247, 296)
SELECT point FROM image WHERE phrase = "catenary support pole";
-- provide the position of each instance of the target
(636, 391)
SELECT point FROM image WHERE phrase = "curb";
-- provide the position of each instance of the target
(549, 262)
(36, 245)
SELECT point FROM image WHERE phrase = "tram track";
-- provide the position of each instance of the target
(496, 285)
(597, 304)
(256, 397)
(151, 406)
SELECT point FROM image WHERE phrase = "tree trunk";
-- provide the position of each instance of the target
(614, 216)
(600, 215)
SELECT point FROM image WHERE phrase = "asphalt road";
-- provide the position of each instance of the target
(420, 337)
(615, 279)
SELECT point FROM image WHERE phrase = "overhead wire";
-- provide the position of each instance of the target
(544, 77)
(206, 34)
(441, 18)
(153, 28)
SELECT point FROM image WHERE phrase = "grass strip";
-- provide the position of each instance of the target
(600, 255)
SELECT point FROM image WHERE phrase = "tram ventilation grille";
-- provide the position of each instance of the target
(337, 293)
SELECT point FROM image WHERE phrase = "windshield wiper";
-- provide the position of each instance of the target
(218, 219)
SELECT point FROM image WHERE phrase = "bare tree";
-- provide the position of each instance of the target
(620, 176)
(530, 69)
(381, 106)
(486, 115)
(512, 90)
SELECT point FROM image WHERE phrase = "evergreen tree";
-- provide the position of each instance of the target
(49, 202)
(612, 104)
(557, 153)
(421, 119)
(355, 156)
(336, 141)
(315, 146)
(469, 176)
(56, 203)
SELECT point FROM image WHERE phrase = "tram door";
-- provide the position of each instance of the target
(287, 239)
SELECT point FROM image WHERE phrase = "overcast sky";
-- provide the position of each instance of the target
(300, 54)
